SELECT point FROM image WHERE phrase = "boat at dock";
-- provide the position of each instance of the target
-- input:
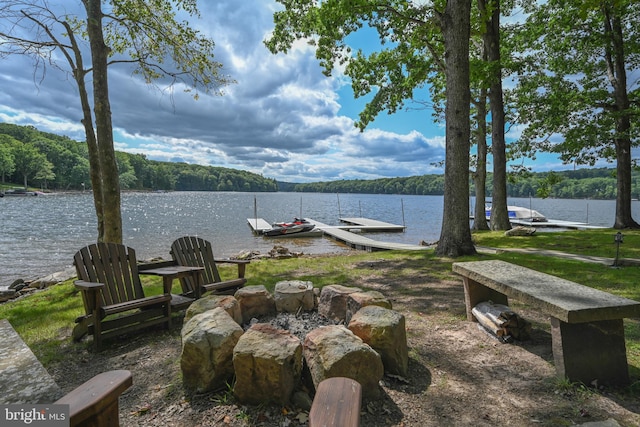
(345, 233)
(532, 218)
(520, 214)
(297, 227)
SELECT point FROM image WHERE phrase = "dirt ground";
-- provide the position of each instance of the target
(458, 374)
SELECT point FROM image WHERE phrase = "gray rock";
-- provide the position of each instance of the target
(208, 340)
(335, 351)
(520, 231)
(255, 301)
(384, 330)
(53, 279)
(268, 365)
(333, 301)
(209, 302)
(17, 283)
(358, 300)
(293, 295)
(7, 293)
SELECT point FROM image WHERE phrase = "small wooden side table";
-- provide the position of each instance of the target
(169, 274)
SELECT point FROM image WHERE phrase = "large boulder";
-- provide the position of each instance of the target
(520, 231)
(54, 278)
(384, 330)
(268, 365)
(333, 301)
(255, 301)
(294, 295)
(334, 351)
(208, 340)
(358, 300)
(209, 302)
(6, 293)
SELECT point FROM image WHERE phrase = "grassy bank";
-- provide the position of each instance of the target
(45, 319)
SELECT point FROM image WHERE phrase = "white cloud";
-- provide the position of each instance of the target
(280, 119)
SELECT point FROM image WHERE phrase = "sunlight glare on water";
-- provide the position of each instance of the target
(39, 235)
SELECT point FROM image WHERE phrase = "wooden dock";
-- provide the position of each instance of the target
(555, 223)
(366, 224)
(342, 234)
(358, 241)
(258, 225)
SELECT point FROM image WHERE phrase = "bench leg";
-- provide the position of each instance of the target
(585, 352)
(475, 293)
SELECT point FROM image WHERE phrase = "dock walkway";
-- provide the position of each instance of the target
(358, 241)
(366, 224)
(555, 223)
(341, 234)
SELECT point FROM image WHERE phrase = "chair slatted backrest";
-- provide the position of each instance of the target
(196, 252)
(114, 265)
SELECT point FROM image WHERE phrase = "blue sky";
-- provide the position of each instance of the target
(283, 119)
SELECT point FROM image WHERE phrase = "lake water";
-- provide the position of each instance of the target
(39, 235)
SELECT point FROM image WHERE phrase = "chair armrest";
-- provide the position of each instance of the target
(96, 401)
(241, 263)
(88, 286)
(231, 261)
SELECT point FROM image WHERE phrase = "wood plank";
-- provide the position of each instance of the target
(337, 403)
(95, 402)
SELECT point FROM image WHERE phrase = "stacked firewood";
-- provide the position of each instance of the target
(501, 322)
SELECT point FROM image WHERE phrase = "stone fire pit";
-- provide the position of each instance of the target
(272, 342)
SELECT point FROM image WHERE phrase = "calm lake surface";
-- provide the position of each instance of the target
(39, 235)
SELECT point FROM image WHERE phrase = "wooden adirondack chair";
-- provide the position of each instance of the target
(196, 252)
(112, 293)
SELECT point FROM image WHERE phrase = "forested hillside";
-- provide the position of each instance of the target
(52, 162)
(578, 184)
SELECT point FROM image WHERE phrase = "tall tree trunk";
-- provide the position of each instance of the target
(79, 73)
(618, 76)
(480, 175)
(490, 9)
(455, 237)
(108, 167)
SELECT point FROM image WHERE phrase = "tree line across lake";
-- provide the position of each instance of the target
(53, 162)
(595, 183)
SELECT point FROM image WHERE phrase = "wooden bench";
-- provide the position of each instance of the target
(336, 404)
(25, 381)
(587, 327)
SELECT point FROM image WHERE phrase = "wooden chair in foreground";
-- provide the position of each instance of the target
(112, 294)
(95, 403)
(196, 252)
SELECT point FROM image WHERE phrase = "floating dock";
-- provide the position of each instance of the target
(555, 223)
(358, 241)
(259, 226)
(366, 224)
(342, 234)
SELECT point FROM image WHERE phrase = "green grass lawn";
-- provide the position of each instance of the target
(46, 318)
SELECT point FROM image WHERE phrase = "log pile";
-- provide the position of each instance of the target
(501, 322)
